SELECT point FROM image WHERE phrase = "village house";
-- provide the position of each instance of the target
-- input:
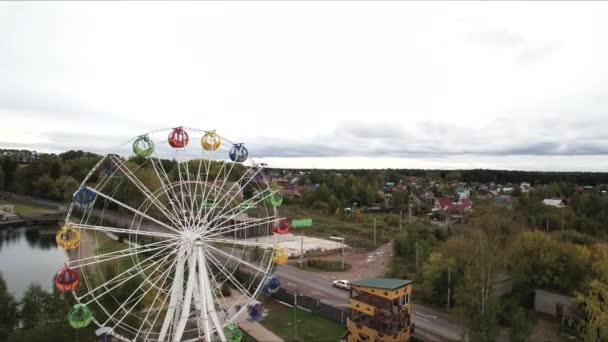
(557, 202)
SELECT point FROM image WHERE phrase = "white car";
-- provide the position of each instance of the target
(342, 284)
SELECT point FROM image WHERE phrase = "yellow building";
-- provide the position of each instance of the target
(380, 310)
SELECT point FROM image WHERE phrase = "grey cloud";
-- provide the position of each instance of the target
(527, 51)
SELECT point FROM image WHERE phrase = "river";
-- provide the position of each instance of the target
(29, 255)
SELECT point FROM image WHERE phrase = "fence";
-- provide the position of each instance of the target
(313, 305)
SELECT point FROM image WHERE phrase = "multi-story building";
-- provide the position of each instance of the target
(380, 310)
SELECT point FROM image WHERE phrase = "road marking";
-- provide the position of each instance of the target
(423, 315)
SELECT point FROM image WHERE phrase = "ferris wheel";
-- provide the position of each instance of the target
(163, 246)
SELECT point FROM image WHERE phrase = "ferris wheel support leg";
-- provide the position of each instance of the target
(185, 314)
(207, 295)
(204, 287)
(176, 295)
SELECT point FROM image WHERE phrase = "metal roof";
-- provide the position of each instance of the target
(381, 283)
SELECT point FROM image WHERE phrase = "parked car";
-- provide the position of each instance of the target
(342, 284)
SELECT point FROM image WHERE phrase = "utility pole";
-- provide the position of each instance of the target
(417, 258)
(400, 219)
(562, 218)
(410, 212)
(295, 315)
(343, 240)
(302, 249)
(449, 275)
(374, 231)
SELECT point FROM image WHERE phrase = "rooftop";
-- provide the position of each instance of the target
(381, 283)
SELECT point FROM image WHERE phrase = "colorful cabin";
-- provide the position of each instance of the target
(271, 284)
(84, 198)
(275, 199)
(66, 279)
(280, 255)
(143, 146)
(178, 138)
(380, 310)
(233, 333)
(238, 153)
(282, 226)
(255, 310)
(79, 316)
(68, 238)
(211, 141)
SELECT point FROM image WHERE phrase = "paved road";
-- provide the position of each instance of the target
(315, 285)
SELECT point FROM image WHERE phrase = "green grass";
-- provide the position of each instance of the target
(311, 327)
(359, 231)
(27, 209)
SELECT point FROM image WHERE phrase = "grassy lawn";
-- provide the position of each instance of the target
(311, 327)
(359, 231)
(27, 209)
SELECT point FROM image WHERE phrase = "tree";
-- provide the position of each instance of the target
(541, 261)
(435, 283)
(400, 199)
(475, 293)
(8, 310)
(34, 306)
(594, 304)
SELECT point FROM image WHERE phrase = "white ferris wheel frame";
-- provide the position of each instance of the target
(184, 240)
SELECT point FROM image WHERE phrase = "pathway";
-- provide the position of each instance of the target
(258, 331)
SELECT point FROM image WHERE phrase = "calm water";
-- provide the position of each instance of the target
(29, 255)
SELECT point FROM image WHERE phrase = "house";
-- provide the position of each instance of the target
(446, 204)
(429, 196)
(554, 304)
(380, 310)
(504, 200)
(556, 202)
(524, 187)
(506, 190)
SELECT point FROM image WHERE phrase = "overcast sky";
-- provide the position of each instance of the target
(316, 84)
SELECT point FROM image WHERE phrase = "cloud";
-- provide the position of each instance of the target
(497, 37)
(527, 51)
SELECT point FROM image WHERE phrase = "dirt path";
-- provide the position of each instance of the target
(363, 263)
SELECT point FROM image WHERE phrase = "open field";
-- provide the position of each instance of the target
(27, 209)
(311, 327)
(359, 231)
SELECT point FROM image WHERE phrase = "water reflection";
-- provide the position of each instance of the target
(30, 255)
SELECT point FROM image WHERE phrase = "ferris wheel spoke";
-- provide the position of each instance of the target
(226, 193)
(107, 229)
(243, 243)
(250, 223)
(236, 211)
(164, 275)
(141, 186)
(228, 276)
(217, 292)
(117, 278)
(101, 258)
(134, 210)
(162, 305)
(215, 186)
(164, 182)
(205, 188)
(176, 294)
(229, 256)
